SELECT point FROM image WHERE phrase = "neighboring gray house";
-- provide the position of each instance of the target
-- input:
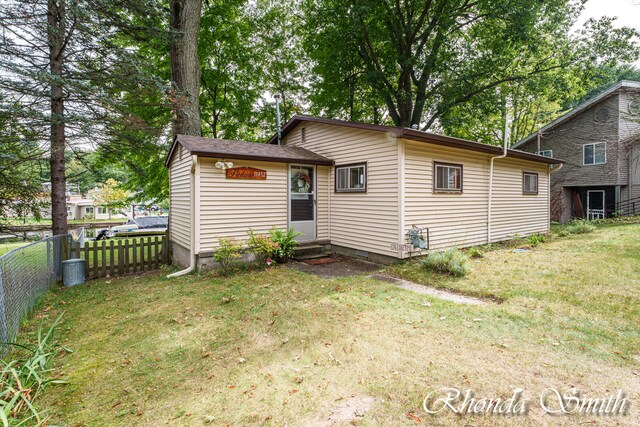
(600, 142)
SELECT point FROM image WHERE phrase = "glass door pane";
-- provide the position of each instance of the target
(301, 187)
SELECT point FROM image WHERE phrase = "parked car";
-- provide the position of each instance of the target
(143, 226)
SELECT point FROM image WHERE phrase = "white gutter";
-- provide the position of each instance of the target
(503, 155)
(192, 249)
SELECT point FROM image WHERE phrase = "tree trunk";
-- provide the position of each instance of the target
(185, 66)
(56, 18)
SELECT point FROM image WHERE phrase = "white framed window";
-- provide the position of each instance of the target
(447, 178)
(351, 178)
(529, 183)
(100, 210)
(88, 210)
(545, 153)
(594, 153)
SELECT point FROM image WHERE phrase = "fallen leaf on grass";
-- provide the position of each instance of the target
(414, 418)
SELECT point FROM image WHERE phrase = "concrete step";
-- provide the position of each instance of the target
(311, 251)
(310, 256)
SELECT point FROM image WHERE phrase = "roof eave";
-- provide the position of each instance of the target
(475, 146)
(167, 162)
(272, 159)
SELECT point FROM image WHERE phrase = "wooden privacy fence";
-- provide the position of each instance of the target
(119, 256)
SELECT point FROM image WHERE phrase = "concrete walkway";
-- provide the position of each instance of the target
(425, 290)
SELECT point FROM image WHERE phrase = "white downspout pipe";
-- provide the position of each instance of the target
(503, 155)
(192, 249)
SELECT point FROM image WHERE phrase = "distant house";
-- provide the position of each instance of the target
(600, 142)
(79, 207)
(355, 187)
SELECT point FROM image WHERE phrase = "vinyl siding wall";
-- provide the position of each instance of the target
(364, 221)
(180, 198)
(324, 189)
(514, 213)
(228, 208)
(461, 219)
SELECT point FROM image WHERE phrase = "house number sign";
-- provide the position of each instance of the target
(246, 173)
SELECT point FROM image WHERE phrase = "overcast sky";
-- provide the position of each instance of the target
(627, 11)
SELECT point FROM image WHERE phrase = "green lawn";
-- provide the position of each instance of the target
(47, 221)
(281, 347)
(8, 246)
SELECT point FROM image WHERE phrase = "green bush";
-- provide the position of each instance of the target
(475, 252)
(24, 377)
(262, 246)
(451, 261)
(228, 252)
(579, 226)
(536, 239)
(286, 242)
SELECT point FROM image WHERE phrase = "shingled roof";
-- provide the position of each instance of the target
(230, 149)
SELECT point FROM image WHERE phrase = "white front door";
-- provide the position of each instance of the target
(302, 201)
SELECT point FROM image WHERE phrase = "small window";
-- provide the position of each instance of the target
(545, 153)
(529, 183)
(351, 178)
(594, 154)
(447, 178)
(88, 210)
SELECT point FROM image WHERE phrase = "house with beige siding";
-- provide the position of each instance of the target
(354, 188)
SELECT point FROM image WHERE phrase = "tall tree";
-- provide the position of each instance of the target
(64, 62)
(424, 58)
(185, 66)
(58, 36)
(21, 163)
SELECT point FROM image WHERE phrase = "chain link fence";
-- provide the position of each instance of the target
(26, 274)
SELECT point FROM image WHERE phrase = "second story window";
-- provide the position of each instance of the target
(545, 153)
(594, 154)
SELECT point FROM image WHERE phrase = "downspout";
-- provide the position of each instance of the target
(192, 249)
(503, 155)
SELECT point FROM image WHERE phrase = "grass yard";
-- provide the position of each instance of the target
(9, 246)
(281, 347)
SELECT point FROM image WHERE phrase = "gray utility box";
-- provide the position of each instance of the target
(73, 272)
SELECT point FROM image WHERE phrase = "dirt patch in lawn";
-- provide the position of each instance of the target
(425, 290)
(338, 266)
(346, 411)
